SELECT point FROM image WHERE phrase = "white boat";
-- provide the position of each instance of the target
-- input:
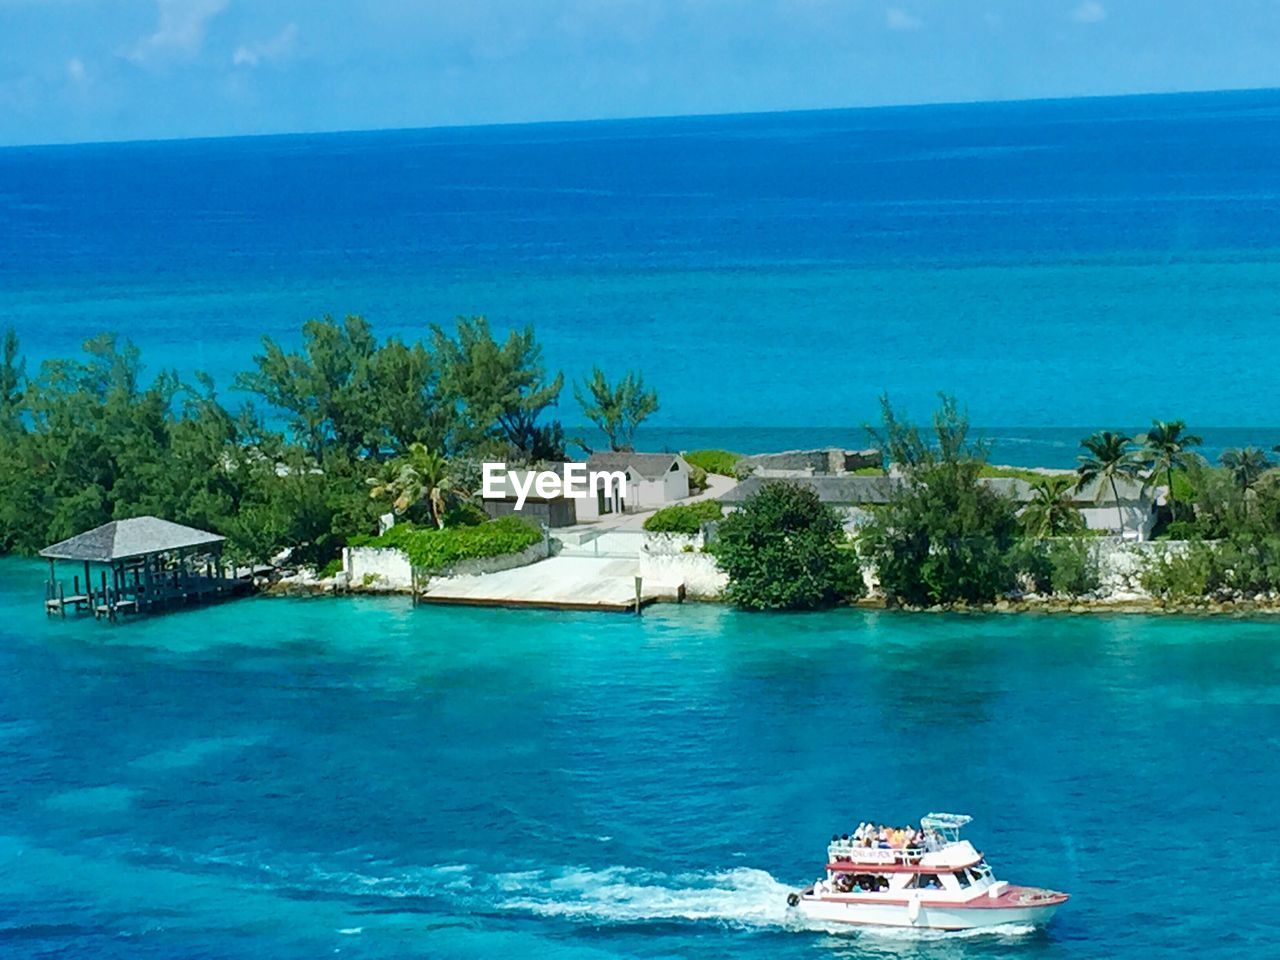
(940, 883)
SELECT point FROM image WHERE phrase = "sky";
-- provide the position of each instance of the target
(77, 70)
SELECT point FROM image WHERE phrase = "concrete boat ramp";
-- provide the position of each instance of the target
(559, 583)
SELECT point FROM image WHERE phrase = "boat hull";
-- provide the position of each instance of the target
(936, 916)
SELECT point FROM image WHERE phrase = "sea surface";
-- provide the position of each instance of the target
(1060, 266)
(359, 778)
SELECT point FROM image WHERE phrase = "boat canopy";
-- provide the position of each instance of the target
(946, 825)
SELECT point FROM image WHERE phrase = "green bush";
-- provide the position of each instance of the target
(1181, 530)
(430, 549)
(1073, 568)
(786, 550)
(684, 517)
(713, 461)
(1192, 575)
(330, 569)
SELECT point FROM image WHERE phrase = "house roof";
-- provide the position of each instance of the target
(861, 490)
(1099, 491)
(648, 466)
(843, 490)
(125, 539)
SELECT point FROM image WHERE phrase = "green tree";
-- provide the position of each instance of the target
(1050, 512)
(1164, 450)
(786, 550)
(1246, 466)
(326, 388)
(1109, 457)
(498, 390)
(13, 376)
(617, 409)
(944, 537)
(421, 476)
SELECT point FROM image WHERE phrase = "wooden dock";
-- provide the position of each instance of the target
(142, 565)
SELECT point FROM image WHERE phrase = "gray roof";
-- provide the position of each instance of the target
(124, 539)
(862, 490)
(1099, 491)
(648, 466)
(842, 490)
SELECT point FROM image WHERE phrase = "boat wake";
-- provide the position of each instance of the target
(741, 897)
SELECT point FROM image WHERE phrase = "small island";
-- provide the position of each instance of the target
(353, 464)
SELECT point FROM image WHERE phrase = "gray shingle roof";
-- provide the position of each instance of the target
(856, 490)
(123, 539)
(844, 490)
(649, 466)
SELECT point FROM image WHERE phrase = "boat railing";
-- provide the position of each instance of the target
(852, 850)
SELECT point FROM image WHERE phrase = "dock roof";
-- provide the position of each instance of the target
(126, 539)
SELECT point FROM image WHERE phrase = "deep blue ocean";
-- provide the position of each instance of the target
(1060, 266)
(358, 778)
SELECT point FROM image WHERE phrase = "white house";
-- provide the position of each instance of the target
(653, 480)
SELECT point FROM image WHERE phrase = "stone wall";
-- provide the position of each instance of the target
(377, 568)
(388, 568)
(830, 460)
(697, 572)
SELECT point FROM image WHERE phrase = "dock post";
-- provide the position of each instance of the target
(62, 601)
(639, 584)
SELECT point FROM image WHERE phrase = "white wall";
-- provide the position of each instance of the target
(377, 568)
(388, 568)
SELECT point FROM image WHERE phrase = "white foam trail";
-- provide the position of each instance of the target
(742, 896)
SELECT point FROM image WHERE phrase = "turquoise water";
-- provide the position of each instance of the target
(358, 778)
(1070, 264)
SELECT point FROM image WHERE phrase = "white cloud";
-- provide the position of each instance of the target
(896, 19)
(1090, 11)
(277, 48)
(180, 32)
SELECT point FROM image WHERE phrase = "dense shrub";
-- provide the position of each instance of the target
(430, 549)
(1073, 567)
(684, 517)
(785, 550)
(1182, 576)
(944, 538)
(714, 461)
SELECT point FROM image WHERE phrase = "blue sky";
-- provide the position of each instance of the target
(125, 69)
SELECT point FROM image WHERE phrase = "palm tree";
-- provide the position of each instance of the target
(1245, 466)
(422, 475)
(1110, 456)
(1164, 449)
(1050, 511)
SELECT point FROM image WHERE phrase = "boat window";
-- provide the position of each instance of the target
(962, 878)
(978, 873)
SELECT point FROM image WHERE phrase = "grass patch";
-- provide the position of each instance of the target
(684, 517)
(722, 462)
(1013, 473)
(430, 549)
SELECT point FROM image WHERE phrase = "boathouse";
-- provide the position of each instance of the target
(140, 565)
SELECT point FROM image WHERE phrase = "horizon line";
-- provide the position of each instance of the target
(548, 122)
